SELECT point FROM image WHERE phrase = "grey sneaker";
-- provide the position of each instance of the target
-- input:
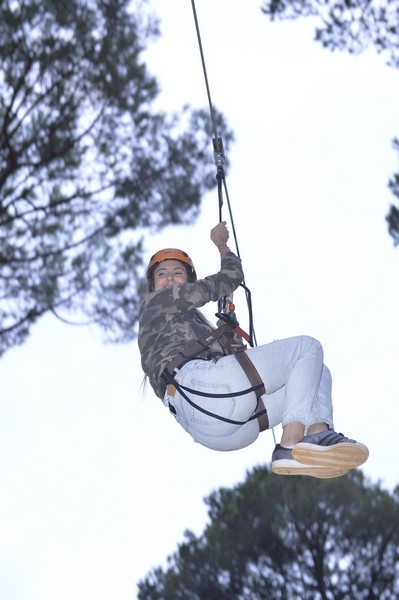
(284, 464)
(330, 449)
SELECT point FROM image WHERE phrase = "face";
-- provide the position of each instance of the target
(169, 272)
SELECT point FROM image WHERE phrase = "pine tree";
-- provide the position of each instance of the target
(87, 165)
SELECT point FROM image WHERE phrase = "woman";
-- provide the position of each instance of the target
(198, 375)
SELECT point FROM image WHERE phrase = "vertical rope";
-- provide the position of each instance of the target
(219, 161)
(220, 176)
(215, 131)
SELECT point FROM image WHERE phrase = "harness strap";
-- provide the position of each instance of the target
(200, 345)
(223, 334)
(180, 388)
(257, 384)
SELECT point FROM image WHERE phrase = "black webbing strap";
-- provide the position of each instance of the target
(256, 415)
(195, 348)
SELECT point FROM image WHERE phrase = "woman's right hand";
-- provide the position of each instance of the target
(220, 235)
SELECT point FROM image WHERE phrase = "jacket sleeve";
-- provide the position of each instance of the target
(187, 296)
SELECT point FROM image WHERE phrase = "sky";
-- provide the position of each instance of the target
(97, 481)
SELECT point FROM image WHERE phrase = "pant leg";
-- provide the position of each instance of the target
(294, 369)
(298, 389)
(322, 409)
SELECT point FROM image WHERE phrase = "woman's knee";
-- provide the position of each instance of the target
(313, 344)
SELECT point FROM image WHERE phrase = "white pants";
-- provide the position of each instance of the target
(298, 389)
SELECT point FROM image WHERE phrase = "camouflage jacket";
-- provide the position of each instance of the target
(169, 320)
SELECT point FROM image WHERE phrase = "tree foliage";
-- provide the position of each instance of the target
(87, 163)
(294, 538)
(353, 26)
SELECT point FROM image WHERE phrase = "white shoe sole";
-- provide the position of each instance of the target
(292, 467)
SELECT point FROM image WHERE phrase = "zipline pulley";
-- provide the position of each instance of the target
(218, 154)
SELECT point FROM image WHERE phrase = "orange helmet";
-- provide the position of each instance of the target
(167, 254)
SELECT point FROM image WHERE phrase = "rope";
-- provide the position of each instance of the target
(219, 161)
(215, 132)
(221, 180)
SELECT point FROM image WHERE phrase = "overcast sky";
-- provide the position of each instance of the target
(98, 484)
